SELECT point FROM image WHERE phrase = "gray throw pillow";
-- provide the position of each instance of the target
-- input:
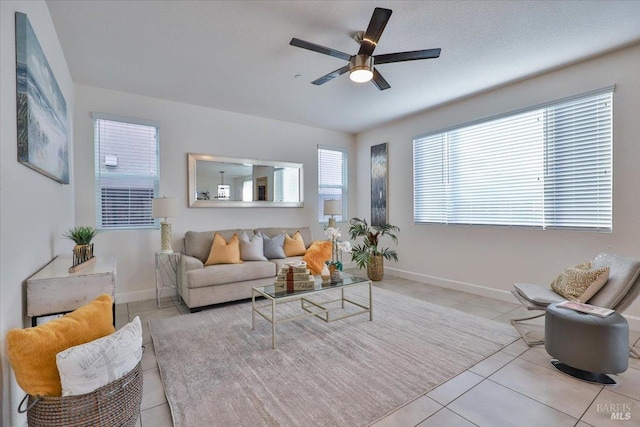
(252, 249)
(274, 246)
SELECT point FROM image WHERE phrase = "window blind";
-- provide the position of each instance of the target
(126, 172)
(545, 167)
(332, 179)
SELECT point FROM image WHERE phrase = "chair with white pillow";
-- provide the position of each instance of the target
(616, 292)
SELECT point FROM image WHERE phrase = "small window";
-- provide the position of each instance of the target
(332, 180)
(286, 185)
(547, 167)
(247, 190)
(126, 172)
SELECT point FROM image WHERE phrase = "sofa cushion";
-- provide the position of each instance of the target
(281, 262)
(221, 274)
(294, 246)
(32, 351)
(198, 243)
(223, 251)
(252, 249)
(274, 246)
(305, 232)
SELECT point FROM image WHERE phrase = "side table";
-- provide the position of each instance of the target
(166, 277)
(586, 346)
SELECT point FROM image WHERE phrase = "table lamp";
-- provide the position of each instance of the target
(332, 207)
(165, 207)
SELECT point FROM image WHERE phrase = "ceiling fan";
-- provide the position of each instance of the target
(361, 65)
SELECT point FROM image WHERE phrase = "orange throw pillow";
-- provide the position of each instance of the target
(223, 252)
(318, 253)
(294, 246)
(32, 351)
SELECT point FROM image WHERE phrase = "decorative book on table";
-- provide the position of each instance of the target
(294, 277)
(585, 308)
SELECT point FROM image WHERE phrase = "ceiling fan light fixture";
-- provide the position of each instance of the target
(361, 68)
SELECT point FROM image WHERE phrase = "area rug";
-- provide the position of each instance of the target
(217, 371)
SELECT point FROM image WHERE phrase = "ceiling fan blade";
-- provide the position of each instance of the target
(376, 26)
(332, 75)
(379, 81)
(320, 49)
(406, 56)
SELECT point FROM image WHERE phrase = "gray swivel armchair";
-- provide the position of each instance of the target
(620, 290)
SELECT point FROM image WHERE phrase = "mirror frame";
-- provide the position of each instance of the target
(192, 158)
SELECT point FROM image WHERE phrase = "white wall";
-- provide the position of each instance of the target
(489, 260)
(35, 210)
(184, 129)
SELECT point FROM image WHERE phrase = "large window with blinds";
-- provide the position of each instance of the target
(126, 171)
(332, 180)
(547, 167)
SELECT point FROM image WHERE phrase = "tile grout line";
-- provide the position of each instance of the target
(536, 400)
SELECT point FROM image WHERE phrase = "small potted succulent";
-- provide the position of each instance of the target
(82, 236)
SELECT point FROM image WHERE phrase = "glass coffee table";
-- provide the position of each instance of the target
(309, 307)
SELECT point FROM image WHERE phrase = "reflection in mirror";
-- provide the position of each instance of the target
(237, 182)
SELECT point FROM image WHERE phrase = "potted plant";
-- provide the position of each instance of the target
(82, 236)
(367, 254)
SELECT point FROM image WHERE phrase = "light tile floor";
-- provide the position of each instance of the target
(516, 386)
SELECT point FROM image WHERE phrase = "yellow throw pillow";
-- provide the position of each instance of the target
(318, 253)
(223, 252)
(32, 351)
(294, 246)
(579, 283)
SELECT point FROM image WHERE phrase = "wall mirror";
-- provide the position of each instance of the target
(237, 182)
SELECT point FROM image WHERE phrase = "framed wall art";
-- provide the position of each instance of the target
(41, 108)
(379, 178)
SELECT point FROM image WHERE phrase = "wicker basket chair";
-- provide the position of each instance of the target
(116, 404)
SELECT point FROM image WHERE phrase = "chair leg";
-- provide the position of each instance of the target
(633, 351)
(523, 335)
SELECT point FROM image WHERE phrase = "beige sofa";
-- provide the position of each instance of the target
(201, 285)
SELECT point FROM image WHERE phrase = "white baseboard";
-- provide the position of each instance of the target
(454, 285)
(499, 294)
(502, 295)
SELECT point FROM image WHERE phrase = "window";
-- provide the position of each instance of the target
(286, 186)
(547, 167)
(247, 190)
(126, 170)
(332, 179)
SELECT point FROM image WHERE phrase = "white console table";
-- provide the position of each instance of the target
(53, 290)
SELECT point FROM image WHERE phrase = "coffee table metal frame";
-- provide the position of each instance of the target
(318, 309)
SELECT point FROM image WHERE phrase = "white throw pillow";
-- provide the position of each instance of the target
(87, 367)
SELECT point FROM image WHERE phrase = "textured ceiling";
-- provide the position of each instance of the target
(235, 55)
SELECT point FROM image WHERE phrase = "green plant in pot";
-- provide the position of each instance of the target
(82, 236)
(367, 253)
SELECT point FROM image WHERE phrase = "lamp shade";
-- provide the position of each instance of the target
(164, 207)
(332, 207)
(361, 68)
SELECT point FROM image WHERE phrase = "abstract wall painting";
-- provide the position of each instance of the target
(379, 184)
(41, 108)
